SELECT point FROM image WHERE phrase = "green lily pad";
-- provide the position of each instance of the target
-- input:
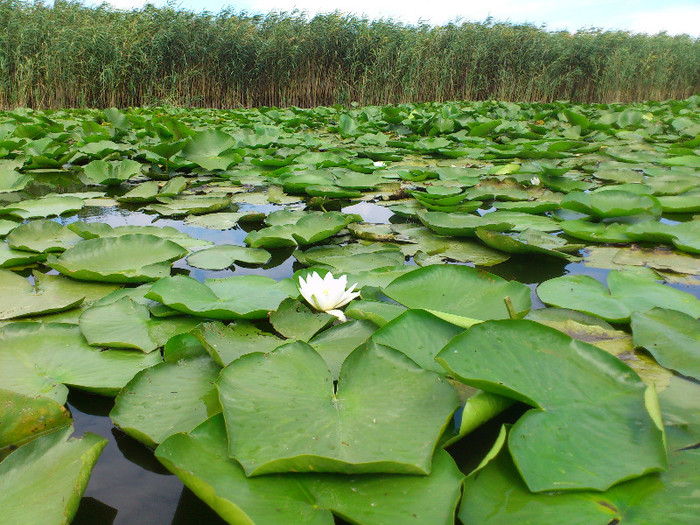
(686, 202)
(596, 231)
(352, 258)
(685, 235)
(113, 171)
(668, 497)
(128, 324)
(628, 293)
(224, 255)
(7, 226)
(529, 241)
(12, 180)
(10, 258)
(134, 258)
(226, 343)
(211, 150)
(42, 482)
(379, 313)
(24, 418)
(590, 426)
(44, 207)
(238, 297)
(184, 392)
(309, 229)
(294, 320)
(200, 460)
(144, 192)
(94, 230)
(460, 291)
(188, 205)
(328, 429)
(41, 358)
(337, 342)
(19, 298)
(672, 337)
(461, 224)
(419, 335)
(42, 236)
(612, 203)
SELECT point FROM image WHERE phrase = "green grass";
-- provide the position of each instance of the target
(72, 55)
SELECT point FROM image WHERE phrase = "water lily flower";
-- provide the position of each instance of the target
(535, 181)
(379, 164)
(327, 294)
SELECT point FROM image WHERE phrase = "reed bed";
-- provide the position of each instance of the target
(71, 55)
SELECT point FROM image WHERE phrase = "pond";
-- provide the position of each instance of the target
(581, 221)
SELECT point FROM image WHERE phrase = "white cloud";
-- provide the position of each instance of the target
(674, 20)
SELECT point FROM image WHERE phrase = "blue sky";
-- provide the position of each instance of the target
(639, 16)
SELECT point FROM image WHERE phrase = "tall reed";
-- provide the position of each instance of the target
(68, 55)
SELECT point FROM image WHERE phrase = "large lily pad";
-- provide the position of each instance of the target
(127, 324)
(112, 172)
(134, 258)
(309, 229)
(381, 397)
(238, 297)
(18, 298)
(665, 498)
(184, 393)
(419, 335)
(226, 343)
(295, 320)
(24, 418)
(628, 293)
(528, 241)
(611, 203)
(10, 258)
(672, 337)
(224, 255)
(41, 483)
(459, 291)
(593, 422)
(337, 342)
(41, 358)
(94, 230)
(42, 236)
(200, 460)
(44, 207)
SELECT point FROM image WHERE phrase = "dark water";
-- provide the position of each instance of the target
(129, 486)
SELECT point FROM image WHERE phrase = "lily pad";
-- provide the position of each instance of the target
(590, 426)
(41, 358)
(226, 343)
(42, 236)
(611, 203)
(672, 337)
(200, 460)
(112, 172)
(308, 229)
(295, 320)
(667, 497)
(628, 293)
(461, 224)
(184, 392)
(94, 230)
(19, 298)
(127, 324)
(224, 255)
(328, 429)
(419, 335)
(24, 418)
(337, 342)
(238, 297)
(189, 205)
(134, 258)
(42, 482)
(529, 241)
(44, 207)
(597, 232)
(448, 291)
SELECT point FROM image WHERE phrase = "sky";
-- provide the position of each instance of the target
(638, 16)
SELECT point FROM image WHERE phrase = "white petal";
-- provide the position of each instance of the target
(340, 315)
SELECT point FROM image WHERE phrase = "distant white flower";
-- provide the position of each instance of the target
(535, 181)
(379, 163)
(327, 294)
